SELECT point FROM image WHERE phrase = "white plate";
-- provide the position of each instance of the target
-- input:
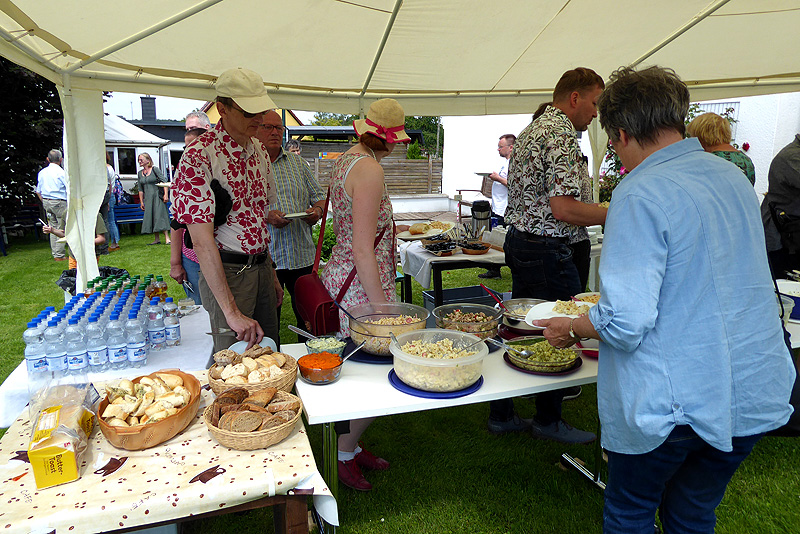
(241, 346)
(408, 236)
(298, 215)
(164, 184)
(484, 174)
(545, 311)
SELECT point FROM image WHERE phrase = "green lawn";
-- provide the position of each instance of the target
(449, 475)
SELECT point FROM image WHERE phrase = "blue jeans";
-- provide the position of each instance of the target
(113, 231)
(192, 269)
(685, 476)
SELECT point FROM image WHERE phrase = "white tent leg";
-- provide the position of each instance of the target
(84, 158)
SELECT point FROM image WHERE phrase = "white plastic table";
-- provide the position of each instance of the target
(364, 390)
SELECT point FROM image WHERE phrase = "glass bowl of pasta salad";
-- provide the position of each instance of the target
(477, 319)
(374, 323)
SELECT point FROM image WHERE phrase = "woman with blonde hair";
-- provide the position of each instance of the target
(714, 134)
(362, 214)
(152, 200)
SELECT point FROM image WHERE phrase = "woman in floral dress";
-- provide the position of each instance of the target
(361, 212)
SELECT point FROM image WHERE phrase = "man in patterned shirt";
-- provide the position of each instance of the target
(238, 285)
(547, 245)
(291, 244)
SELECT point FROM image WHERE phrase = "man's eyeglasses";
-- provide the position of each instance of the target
(245, 113)
(269, 127)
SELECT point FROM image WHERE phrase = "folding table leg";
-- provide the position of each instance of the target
(568, 461)
(330, 469)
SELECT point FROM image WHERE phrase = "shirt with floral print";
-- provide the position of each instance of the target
(546, 162)
(244, 172)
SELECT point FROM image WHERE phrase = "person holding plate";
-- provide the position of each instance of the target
(693, 366)
(152, 200)
(291, 243)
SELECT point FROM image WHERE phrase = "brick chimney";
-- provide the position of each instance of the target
(148, 108)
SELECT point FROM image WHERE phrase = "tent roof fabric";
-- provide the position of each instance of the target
(437, 57)
(120, 132)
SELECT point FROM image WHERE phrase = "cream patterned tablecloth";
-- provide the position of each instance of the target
(189, 474)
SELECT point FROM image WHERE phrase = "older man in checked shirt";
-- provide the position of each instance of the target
(291, 244)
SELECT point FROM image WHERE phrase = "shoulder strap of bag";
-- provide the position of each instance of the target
(318, 255)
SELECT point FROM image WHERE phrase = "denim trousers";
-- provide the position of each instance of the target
(542, 271)
(113, 229)
(192, 269)
(287, 279)
(685, 476)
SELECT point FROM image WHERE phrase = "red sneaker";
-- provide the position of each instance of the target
(350, 475)
(367, 460)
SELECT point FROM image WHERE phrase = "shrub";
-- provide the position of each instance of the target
(328, 241)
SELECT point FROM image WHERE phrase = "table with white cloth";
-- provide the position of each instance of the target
(424, 266)
(364, 390)
(187, 477)
(191, 355)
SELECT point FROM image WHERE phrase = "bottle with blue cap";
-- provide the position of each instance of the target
(136, 340)
(35, 362)
(55, 350)
(96, 348)
(172, 324)
(76, 350)
(116, 343)
(156, 333)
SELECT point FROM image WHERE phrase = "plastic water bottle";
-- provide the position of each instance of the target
(136, 341)
(76, 349)
(96, 347)
(172, 323)
(116, 343)
(36, 362)
(156, 332)
(55, 350)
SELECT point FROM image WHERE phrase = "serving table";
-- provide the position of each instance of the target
(424, 266)
(191, 355)
(187, 477)
(364, 391)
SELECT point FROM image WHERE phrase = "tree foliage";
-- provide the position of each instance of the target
(322, 118)
(32, 124)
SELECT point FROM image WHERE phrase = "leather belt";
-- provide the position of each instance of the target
(243, 259)
(537, 238)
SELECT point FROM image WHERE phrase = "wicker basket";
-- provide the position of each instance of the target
(136, 438)
(285, 382)
(247, 441)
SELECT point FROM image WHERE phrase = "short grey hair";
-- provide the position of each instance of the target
(201, 116)
(54, 156)
(293, 143)
(643, 103)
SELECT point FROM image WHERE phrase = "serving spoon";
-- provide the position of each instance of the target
(300, 331)
(525, 353)
(354, 351)
(347, 313)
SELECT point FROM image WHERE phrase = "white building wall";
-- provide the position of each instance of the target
(767, 123)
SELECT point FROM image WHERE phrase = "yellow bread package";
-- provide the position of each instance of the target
(59, 439)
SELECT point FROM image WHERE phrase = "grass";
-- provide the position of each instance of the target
(449, 475)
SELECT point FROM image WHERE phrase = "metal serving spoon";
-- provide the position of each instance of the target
(300, 331)
(354, 351)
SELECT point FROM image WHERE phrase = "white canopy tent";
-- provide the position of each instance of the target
(438, 57)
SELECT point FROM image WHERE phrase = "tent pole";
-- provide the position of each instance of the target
(379, 53)
(144, 33)
(683, 29)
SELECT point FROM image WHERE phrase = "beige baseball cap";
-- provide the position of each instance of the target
(246, 88)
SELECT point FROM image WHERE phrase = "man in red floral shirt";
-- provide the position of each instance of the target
(238, 286)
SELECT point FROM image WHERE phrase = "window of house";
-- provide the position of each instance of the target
(127, 160)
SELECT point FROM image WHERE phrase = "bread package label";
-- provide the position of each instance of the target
(59, 439)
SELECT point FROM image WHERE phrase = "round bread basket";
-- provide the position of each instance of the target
(136, 438)
(248, 441)
(284, 382)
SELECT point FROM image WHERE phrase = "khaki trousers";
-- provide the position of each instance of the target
(57, 218)
(253, 290)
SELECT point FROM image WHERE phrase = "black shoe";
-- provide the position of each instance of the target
(572, 393)
(490, 274)
(515, 424)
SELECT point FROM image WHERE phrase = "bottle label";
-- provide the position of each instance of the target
(37, 365)
(173, 333)
(58, 362)
(137, 351)
(117, 354)
(78, 361)
(98, 357)
(157, 337)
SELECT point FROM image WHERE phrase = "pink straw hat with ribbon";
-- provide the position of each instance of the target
(385, 119)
